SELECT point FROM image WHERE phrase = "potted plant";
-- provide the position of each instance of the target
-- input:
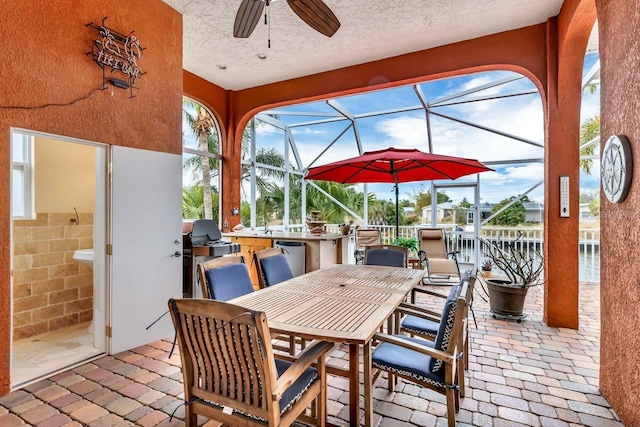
(487, 266)
(345, 228)
(411, 243)
(522, 267)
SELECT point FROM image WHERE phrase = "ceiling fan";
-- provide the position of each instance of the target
(314, 12)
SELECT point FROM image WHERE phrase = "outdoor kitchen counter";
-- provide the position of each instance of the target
(322, 250)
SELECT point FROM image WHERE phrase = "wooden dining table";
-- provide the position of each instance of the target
(343, 304)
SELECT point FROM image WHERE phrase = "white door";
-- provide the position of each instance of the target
(146, 237)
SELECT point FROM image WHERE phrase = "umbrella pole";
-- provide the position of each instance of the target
(392, 169)
(397, 214)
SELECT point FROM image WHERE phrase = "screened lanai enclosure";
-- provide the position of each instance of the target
(495, 117)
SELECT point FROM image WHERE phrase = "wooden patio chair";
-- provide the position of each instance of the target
(388, 255)
(231, 375)
(434, 365)
(365, 237)
(273, 268)
(441, 264)
(425, 323)
(224, 278)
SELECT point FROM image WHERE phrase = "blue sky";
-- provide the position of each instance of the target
(520, 116)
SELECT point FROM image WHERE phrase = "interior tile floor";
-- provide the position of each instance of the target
(35, 357)
(520, 374)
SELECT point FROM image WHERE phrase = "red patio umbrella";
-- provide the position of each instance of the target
(395, 165)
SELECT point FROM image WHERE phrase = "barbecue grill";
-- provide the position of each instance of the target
(202, 242)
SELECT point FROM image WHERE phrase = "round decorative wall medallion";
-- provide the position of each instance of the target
(616, 168)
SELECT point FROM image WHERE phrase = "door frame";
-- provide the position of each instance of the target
(100, 273)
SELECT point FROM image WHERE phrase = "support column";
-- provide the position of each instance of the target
(561, 159)
(567, 38)
(231, 168)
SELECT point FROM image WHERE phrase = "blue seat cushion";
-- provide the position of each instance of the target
(385, 257)
(275, 269)
(229, 281)
(290, 396)
(418, 325)
(293, 393)
(427, 327)
(400, 360)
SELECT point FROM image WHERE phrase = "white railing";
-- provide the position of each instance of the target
(589, 239)
(464, 243)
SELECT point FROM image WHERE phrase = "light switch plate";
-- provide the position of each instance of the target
(564, 196)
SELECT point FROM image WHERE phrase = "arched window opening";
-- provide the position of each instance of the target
(200, 162)
(495, 117)
(590, 142)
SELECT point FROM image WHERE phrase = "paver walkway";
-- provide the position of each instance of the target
(519, 374)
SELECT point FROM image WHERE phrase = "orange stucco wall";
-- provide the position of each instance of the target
(620, 232)
(44, 45)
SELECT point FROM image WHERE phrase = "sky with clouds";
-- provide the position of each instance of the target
(520, 116)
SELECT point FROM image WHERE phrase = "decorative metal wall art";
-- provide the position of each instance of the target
(616, 168)
(117, 55)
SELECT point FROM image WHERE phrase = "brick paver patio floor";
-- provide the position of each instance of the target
(519, 374)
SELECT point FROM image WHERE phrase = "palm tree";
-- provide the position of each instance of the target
(192, 204)
(202, 127)
(383, 212)
(344, 193)
(589, 130)
(266, 156)
(269, 182)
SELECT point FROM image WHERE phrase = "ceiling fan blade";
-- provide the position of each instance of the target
(247, 18)
(317, 15)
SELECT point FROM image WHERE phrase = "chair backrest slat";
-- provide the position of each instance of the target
(213, 363)
(251, 385)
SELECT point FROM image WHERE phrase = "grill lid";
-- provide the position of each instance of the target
(205, 231)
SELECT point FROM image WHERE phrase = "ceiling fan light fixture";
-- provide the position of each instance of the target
(262, 55)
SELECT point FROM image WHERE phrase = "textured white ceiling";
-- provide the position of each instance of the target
(370, 30)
